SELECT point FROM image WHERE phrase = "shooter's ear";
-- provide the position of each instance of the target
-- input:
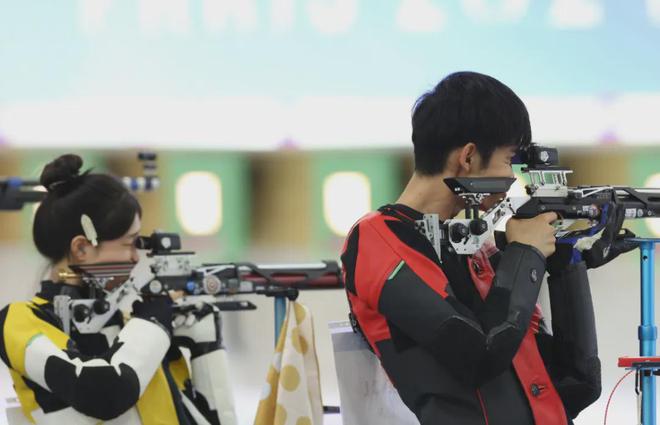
(467, 157)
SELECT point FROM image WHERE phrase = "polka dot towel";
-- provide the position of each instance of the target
(292, 392)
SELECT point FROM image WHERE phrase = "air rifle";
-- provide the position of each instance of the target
(548, 191)
(15, 192)
(167, 268)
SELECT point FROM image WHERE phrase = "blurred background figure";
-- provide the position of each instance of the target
(279, 122)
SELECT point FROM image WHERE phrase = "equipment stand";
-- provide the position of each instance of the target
(648, 332)
(647, 365)
(280, 312)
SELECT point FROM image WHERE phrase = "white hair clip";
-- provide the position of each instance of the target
(88, 228)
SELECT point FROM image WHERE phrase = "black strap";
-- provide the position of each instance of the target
(356, 325)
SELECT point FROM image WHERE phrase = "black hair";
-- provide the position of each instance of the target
(466, 107)
(103, 198)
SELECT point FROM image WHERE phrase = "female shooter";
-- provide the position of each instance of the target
(129, 373)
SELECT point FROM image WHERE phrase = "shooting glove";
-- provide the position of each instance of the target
(199, 328)
(157, 308)
(598, 251)
(597, 247)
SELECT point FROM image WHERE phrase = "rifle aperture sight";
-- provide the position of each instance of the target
(538, 156)
(159, 243)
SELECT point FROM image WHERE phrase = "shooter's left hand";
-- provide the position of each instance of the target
(600, 246)
(199, 323)
(597, 251)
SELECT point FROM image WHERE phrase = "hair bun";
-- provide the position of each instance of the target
(62, 170)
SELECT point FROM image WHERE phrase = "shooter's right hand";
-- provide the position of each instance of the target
(157, 308)
(537, 232)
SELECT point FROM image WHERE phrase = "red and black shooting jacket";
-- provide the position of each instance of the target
(462, 339)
